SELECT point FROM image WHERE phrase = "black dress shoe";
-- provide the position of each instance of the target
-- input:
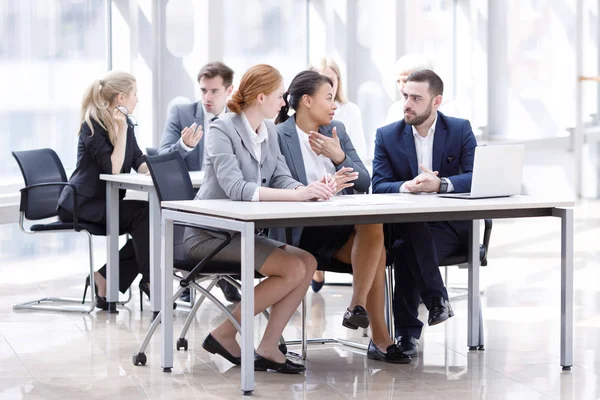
(231, 293)
(408, 345)
(101, 302)
(288, 367)
(185, 295)
(393, 354)
(439, 311)
(356, 318)
(211, 345)
(316, 285)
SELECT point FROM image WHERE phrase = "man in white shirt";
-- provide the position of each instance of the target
(425, 152)
(187, 124)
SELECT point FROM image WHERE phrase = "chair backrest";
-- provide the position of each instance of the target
(152, 151)
(41, 166)
(171, 177)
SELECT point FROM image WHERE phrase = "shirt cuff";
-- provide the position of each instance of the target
(255, 196)
(184, 146)
(403, 188)
(450, 187)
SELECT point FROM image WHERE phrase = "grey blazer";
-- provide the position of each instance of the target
(232, 170)
(289, 144)
(181, 116)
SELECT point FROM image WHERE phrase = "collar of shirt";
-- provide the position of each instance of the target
(261, 134)
(208, 116)
(430, 132)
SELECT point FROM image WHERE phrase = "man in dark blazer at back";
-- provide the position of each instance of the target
(187, 124)
(426, 152)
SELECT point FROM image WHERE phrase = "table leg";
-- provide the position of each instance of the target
(566, 286)
(473, 291)
(155, 223)
(112, 246)
(247, 315)
(167, 295)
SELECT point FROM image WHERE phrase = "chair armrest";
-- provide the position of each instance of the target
(25, 196)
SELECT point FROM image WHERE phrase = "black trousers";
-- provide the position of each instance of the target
(416, 267)
(134, 256)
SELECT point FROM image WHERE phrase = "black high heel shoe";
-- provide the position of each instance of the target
(101, 302)
(145, 288)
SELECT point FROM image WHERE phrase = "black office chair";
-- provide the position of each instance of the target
(460, 259)
(152, 151)
(45, 178)
(172, 182)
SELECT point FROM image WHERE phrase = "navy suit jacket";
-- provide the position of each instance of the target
(396, 162)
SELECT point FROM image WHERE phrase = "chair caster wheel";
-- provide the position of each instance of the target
(283, 348)
(247, 392)
(182, 343)
(139, 359)
(566, 367)
(472, 348)
(481, 348)
(167, 370)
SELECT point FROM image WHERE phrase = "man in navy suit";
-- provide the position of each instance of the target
(426, 152)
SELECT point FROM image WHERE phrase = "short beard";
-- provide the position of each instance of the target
(421, 118)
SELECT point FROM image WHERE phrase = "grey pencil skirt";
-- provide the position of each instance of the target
(198, 244)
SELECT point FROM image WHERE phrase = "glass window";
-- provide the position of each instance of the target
(265, 31)
(50, 51)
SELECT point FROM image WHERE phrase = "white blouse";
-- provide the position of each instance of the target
(315, 166)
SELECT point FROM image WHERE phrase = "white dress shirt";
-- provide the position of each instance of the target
(206, 125)
(256, 138)
(315, 166)
(424, 149)
(349, 114)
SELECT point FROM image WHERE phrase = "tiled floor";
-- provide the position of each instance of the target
(74, 356)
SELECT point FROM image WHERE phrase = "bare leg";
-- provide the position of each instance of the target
(376, 306)
(287, 275)
(362, 250)
(282, 311)
(101, 284)
(319, 276)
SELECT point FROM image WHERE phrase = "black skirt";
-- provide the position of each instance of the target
(324, 241)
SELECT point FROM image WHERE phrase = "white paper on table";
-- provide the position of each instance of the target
(363, 200)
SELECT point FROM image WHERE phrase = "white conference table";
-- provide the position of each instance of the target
(142, 183)
(245, 217)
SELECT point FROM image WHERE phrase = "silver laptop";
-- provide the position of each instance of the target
(497, 172)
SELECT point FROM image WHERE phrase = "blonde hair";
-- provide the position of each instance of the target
(100, 95)
(328, 62)
(261, 78)
(412, 62)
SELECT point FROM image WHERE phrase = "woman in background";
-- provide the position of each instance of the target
(107, 145)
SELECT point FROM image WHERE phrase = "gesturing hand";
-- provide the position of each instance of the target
(343, 179)
(191, 135)
(427, 182)
(328, 146)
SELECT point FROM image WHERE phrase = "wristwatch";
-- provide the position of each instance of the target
(443, 185)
